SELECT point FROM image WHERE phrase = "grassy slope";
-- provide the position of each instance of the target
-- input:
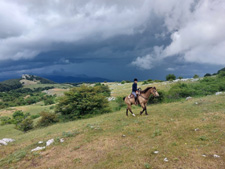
(169, 129)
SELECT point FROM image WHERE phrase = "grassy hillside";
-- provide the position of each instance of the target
(181, 131)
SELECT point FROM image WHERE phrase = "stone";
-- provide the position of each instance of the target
(166, 160)
(216, 156)
(188, 98)
(5, 141)
(49, 142)
(38, 148)
(218, 93)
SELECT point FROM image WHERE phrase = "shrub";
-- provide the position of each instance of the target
(145, 82)
(207, 74)
(123, 82)
(25, 125)
(159, 99)
(120, 102)
(158, 81)
(180, 77)
(35, 116)
(49, 101)
(196, 76)
(18, 117)
(221, 74)
(47, 119)
(81, 101)
(170, 77)
(18, 113)
(5, 120)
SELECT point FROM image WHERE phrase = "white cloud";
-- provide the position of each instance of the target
(150, 60)
(197, 32)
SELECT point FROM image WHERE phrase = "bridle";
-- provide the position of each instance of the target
(146, 97)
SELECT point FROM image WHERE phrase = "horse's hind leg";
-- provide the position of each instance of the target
(127, 112)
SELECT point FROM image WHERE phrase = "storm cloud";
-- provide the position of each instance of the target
(109, 37)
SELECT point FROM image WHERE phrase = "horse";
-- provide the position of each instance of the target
(142, 99)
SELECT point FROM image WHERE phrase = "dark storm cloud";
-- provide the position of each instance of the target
(120, 39)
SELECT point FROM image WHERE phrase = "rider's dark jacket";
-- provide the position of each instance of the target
(134, 87)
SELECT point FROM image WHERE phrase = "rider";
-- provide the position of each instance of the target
(134, 90)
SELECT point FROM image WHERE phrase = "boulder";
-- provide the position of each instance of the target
(5, 141)
(188, 98)
(49, 142)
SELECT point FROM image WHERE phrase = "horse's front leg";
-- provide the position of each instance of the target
(127, 112)
(146, 110)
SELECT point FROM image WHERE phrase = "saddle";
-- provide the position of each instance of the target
(130, 96)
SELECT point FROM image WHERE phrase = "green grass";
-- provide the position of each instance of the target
(32, 109)
(99, 142)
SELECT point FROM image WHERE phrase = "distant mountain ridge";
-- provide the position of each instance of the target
(36, 79)
(26, 79)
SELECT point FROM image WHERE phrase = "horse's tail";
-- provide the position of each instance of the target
(124, 98)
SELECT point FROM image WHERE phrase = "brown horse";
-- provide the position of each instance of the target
(142, 99)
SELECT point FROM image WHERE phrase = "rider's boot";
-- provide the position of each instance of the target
(136, 100)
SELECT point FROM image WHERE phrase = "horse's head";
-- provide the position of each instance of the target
(154, 92)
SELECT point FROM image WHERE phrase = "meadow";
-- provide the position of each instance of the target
(181, 134)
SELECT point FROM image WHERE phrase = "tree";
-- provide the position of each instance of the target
(196, 76)
(81, 101)
(170, 77)
(207, 75)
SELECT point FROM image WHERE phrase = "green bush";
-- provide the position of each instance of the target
(196, 76)
(5, 120)
(158, 81)
(18, 117)
(221, 74)
(120, 102)
(35, 116)
(180, 77)
(158, 99)
(25, 125)
(145, 82)
(207, 75)
(170, 77)
(123, 82)
(47, 119)
(81, 101)
(49, 101)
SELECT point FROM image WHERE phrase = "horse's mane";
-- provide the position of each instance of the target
(144, 91)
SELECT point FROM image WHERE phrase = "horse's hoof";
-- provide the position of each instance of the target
(146, 114)
(133, 115)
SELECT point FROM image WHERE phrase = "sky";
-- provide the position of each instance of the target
(116, 40)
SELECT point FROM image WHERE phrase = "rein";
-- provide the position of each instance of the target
(143, 97)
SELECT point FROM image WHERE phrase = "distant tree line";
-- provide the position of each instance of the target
(25, 96)
(10, 85)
